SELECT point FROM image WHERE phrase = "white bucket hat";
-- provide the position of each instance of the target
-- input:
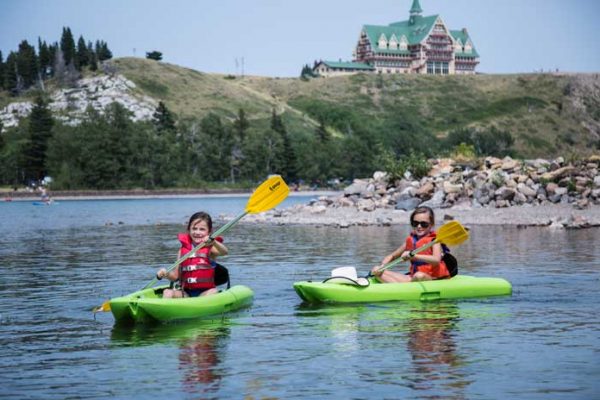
(346, 275)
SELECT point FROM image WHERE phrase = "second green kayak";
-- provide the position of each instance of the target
(460, 286)
(148, 305)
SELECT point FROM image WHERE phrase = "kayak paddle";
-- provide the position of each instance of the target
(268, 195)
(451, 234)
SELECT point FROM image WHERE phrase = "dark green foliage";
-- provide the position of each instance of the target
(45, 59)
(25, 68)
(102, 51)
(27, 65)
(163, 118)
(67, 46)
(286, 155)
(413, 162)
(39, 133)
(241, 125)
(307, 73)
(83, 56)
(487, 142)
(154, 55)
(92, 56)
(12, 82)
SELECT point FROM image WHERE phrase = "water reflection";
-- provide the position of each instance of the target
(432, 346)
(414, 344)
(201, 345)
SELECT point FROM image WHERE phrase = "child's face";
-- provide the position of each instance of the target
(199, 231)
(421, 224)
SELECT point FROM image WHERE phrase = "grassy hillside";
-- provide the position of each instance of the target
(547, 114)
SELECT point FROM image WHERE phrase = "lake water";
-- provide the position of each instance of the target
(60, 261)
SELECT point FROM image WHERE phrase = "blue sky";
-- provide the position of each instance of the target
(275, 38)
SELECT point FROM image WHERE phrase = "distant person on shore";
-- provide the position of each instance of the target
(424, 266)
(196, 275)
(44, 196)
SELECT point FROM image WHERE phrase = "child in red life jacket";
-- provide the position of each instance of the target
(197, 273)
(424, 266)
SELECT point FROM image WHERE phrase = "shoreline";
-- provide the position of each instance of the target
(8, 196)
(558, 216)
(548, 215)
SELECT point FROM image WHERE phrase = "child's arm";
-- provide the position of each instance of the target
(172, 275)
(218, 249)
(393, 255)
(433, 259)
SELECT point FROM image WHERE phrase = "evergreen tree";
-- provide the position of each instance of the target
(39, 132)
(216, 148)
(92, 56)
(154, 55)
(52, 50)
(67, 45)
(306, 72)
(83, 57)
(45, 59)
(58, 67)
(27, 65)
(102, 51)
(241, 125)
(12, 81)
(287, 156)
(163, 119)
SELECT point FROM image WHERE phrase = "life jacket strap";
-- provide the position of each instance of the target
(190, 268)
(198, 280)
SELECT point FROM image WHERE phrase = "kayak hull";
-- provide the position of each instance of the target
(458, 287)
(148, 305)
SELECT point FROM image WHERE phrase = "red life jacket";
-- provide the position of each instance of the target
(197, 271)
(414, 242)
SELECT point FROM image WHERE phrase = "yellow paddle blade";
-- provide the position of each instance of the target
(451, 234)
(268, 195)
(105, 307)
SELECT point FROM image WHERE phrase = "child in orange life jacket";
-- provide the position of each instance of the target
(196, 274)
(424, 266)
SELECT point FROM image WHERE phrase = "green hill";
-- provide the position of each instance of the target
(547, 114)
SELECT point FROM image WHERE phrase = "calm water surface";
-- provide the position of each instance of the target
(58, 262)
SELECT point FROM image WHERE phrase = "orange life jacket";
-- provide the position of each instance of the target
(414, 242)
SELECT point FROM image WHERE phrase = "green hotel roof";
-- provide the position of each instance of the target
(414, 33)
(347, 65)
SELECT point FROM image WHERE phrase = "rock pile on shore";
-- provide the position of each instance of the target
(493, 182)
(493, 191)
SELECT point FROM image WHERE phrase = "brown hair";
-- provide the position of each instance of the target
(423, 210)
(201, 215)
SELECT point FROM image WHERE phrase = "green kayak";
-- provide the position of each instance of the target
(148, 305)
(458, 287)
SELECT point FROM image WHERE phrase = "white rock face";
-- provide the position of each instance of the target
(69, 105)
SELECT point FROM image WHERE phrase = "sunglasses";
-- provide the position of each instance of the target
(424, 224)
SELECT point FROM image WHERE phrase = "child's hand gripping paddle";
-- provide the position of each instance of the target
(267, 196)
(451, 234)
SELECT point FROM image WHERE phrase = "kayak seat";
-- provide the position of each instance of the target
(221, 275)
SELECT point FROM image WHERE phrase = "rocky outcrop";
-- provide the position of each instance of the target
(490, 183)
(69, 105)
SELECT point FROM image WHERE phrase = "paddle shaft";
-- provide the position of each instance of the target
(212, 237)
(400, 259)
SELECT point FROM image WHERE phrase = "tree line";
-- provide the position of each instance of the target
(64, 61)
(107, 150)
